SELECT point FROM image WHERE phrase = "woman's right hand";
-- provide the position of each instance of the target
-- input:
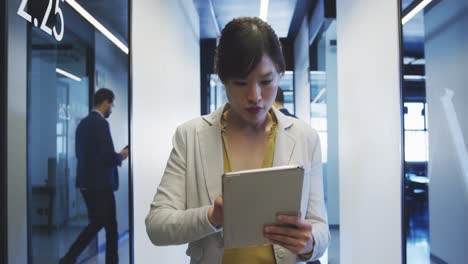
(215, 213)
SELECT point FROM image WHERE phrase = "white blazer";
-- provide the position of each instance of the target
(192, 181)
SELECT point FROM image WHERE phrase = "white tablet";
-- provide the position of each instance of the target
(253, 198)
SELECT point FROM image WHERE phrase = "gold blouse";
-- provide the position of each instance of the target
(256, 254)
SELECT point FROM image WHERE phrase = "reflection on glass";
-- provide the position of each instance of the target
(415, 138)
(217, 93)
(416, 141)
(324, 119)
(434, 61)
(318, 106)
(286, 83)
(414, 116)
(62, 75)
(416, 146)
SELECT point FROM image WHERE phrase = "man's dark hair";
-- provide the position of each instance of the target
(103, 95)
(279, 96)
(242, 44)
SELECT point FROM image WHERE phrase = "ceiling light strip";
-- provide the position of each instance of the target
(415, 10)
(264, 10)
(98, 25)
(67, 74)
(213, 17)
(414, 77)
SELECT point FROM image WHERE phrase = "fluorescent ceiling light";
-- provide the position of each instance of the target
(415, 10)
(264, 10)
(318, 72)
(419, 62)
(414, 77)
(319, 95)
(67, 74)
(413, 61)
(98, 25)
(408, 60)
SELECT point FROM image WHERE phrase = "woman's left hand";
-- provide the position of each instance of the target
(292, 233)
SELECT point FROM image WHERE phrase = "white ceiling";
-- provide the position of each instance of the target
(280, 14)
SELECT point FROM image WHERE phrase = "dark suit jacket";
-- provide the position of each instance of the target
(97, 159)
(286, 112)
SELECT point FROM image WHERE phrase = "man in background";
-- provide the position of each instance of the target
(279, 103)
(97, 177)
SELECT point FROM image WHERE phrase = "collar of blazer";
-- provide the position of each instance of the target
(211, 147)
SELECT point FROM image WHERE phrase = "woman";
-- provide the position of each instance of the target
(246, 133)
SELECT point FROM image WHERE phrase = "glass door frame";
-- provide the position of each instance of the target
(3, 150)
(130, 141)
(402, 126)
(15, 133)
(91, 90)
(13, 150)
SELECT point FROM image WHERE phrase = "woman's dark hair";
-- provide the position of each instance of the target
(103, 95)
(242, 44)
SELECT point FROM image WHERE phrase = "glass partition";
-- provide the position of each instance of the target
(74, 49)
(324, 118)
(286, 84)
(217, 93)
(434, 63)
(3, 148)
